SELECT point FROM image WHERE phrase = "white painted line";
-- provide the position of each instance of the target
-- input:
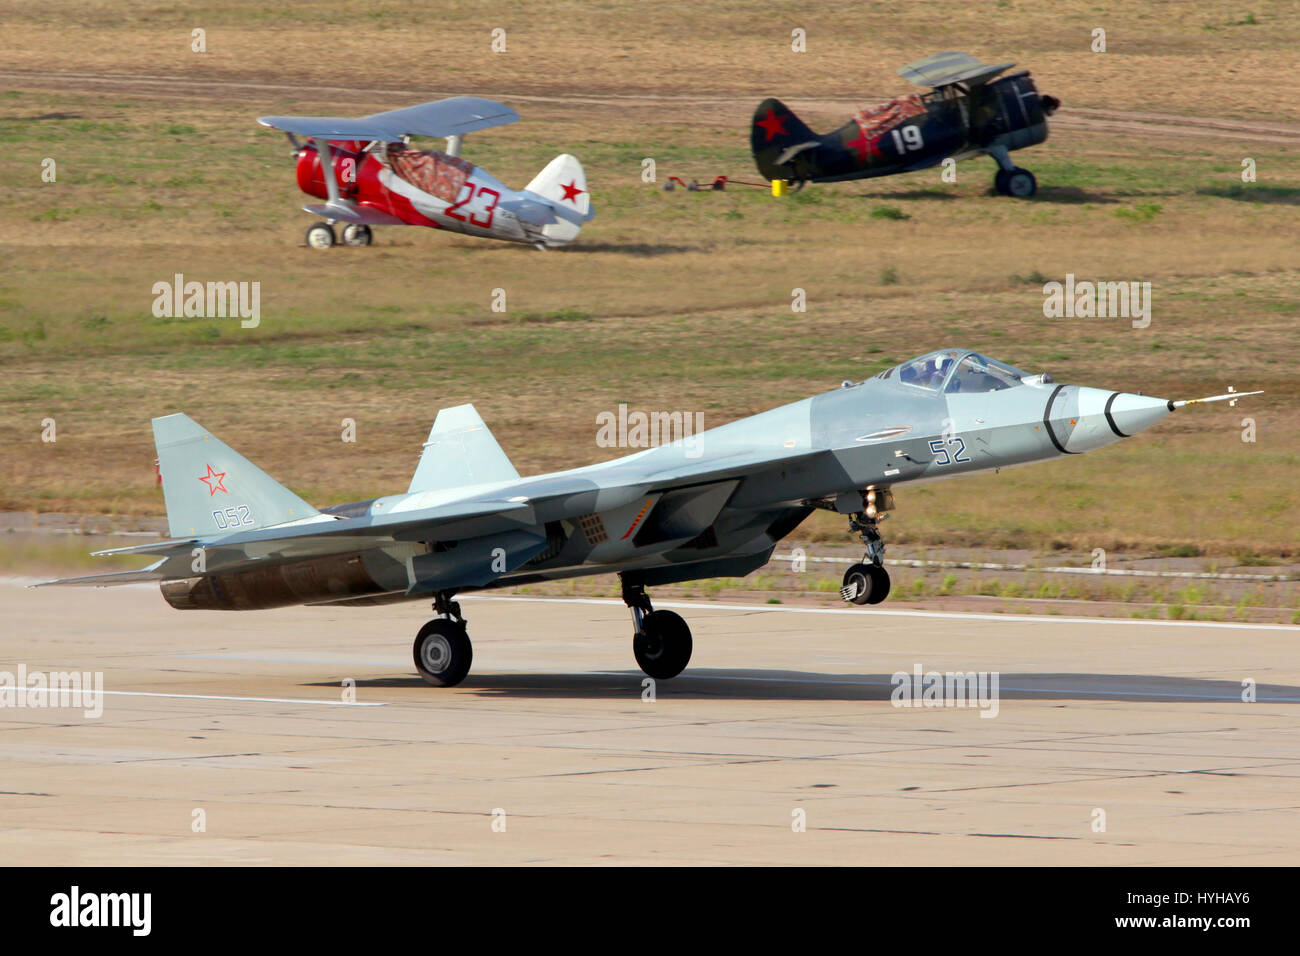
(1029, 568)
(878, 612)
(259, 700)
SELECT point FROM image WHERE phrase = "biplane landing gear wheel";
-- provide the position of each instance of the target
(442, 651)
(320, 235)
(661, 640)
(356, 235)
(1016, 182)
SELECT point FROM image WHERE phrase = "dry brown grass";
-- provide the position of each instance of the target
(670, 301)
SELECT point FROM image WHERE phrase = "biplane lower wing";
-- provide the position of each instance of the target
(350, 212)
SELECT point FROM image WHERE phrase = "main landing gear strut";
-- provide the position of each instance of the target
(867, 582)
(1011, 180)
(661, 640)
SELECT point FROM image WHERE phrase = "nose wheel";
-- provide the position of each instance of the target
(661, 640)
(443, 653)
(865, 584)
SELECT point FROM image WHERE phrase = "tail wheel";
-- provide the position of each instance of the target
(663, 646)
(357, 235)
(320, 235)
(443, 653)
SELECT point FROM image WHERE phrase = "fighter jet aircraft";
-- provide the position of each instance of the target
(968, 113)
(369, 176)
(712, 504)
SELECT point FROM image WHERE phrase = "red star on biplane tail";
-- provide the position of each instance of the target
(772, 124)
(571, 191)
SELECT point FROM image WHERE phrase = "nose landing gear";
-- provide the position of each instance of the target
(867, 582)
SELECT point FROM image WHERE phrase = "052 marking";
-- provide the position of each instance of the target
(232, 518)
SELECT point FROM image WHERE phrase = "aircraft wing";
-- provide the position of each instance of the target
(944, 69)
(501, 508)
(450, 117)
(351, 212)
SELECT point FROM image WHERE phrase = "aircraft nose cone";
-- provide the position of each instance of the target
(1086, 418)
(1128, 413)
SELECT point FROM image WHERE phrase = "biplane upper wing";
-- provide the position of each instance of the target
(450, 117)
(944, 69)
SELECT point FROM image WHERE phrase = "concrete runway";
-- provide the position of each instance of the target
(782, 710)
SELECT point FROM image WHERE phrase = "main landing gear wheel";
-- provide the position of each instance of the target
(865, 584)
(356, 235)
(663, 645)
(1016, 182)
(320, 235)
(443, 653)
(661, 640)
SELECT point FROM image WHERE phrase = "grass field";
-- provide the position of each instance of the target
(669, 301)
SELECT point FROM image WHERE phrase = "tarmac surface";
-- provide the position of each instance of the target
(230, 738)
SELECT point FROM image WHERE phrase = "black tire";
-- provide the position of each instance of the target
(320, 235)
(1021, 184)
(1000, 182)
(663, 648)
(443, 653)
(879, 584)
(357, 235)
(861, 576)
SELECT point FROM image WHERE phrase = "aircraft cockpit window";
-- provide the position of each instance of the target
(927, 372)
(976, 374)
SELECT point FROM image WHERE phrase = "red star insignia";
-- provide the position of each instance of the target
(571, 191)
(864, 147)
(218, 477)
(772, 125)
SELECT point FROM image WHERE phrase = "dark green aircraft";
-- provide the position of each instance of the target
(969, 111)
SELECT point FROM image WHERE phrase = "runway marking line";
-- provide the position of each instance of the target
(259, 700)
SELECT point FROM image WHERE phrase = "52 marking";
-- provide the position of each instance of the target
(232, 518)
(937, 448)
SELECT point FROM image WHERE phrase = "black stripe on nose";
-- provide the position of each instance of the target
(1110, 419)
(1047, 423)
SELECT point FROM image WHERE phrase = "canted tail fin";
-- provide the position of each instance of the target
(460, 452)
(210, 488)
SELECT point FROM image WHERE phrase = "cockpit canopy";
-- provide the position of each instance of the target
(956, 370)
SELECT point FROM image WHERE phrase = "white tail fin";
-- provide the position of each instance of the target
(460, 451)
(564, 185)
(210, 488)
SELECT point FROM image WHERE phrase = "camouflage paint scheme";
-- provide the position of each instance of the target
(709, 505)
